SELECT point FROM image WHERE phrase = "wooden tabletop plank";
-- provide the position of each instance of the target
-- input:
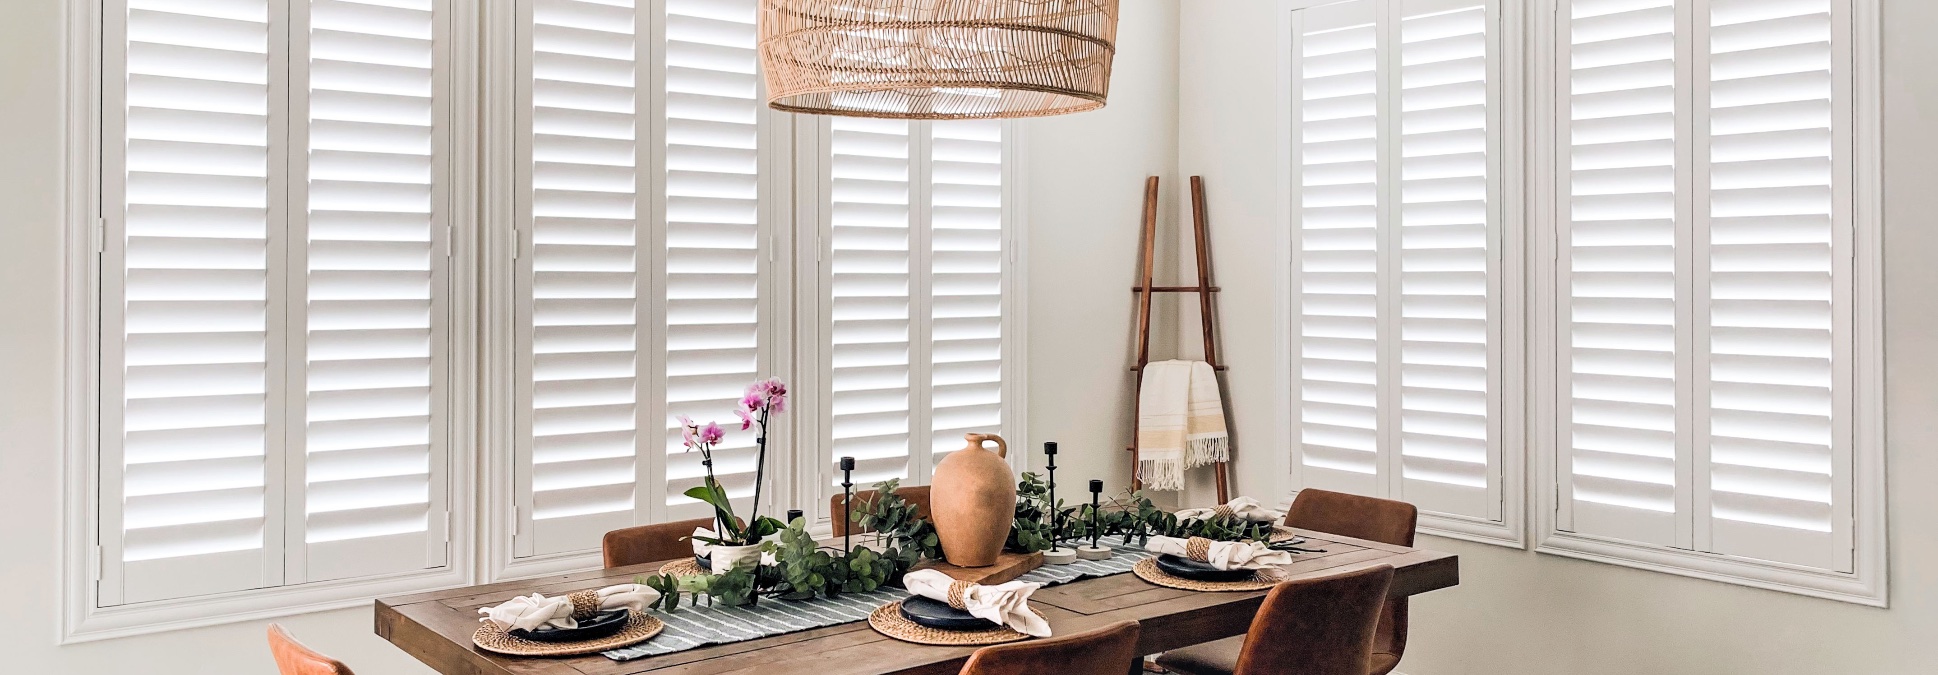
(436, 627)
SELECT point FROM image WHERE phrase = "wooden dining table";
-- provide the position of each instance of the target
(436, 627)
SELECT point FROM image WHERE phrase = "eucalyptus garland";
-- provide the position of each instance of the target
(804, 569)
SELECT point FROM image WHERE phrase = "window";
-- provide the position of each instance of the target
(650, 187)
(912, 289)
(1710, 294)
(274, 392)
(1398, 217)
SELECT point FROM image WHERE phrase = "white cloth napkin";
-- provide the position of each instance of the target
(1225, 555)
(1242, 507)
(1003, 604)
(532, 611)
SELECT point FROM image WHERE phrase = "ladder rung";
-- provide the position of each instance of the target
(1135, 368)
(1172, 289)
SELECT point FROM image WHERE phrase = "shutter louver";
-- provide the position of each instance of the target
(1337, 148)
(197, 414)
(965, 282)
(714, 253)
(1619, 270)
(374, 441)
(1447, 364)
(584, 392)
(1773, 344)
(871, 264)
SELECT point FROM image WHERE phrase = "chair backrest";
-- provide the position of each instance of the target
(1370, 518)
(1106, 650)
(650, 543)
(292, 658)
(1321, 626)
(917, 495)
(1383, 520)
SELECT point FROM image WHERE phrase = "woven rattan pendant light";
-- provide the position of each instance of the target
(937, 59)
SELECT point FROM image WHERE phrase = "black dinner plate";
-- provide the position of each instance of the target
(1186, 568)
(938, 614)
(600, 625)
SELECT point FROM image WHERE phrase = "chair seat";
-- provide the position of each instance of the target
(1221, 658)
(1211, 658)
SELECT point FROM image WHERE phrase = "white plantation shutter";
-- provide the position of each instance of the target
(966, 282)
(1396, 117)
(272, 296)
(374, 463)
(870, 407)
(645, 206)
(581, 397)
(716, 260)
(1448, 277)
(1337, 148)
(1619, 269)
(192, 305)
(913, 292)
(1707, 252)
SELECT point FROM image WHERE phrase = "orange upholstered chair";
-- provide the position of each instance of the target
(292, 658)
(1382, 520)
(1110, 649)
(1321, 626)
(917, 495)
(650, 543)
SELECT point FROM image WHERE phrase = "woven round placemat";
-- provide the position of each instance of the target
(685, 567)
(1148, 570)
(888, 620)
(639, 628)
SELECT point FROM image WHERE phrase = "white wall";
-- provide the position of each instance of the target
(1519, 612)
(1088, 173)
(1086, 192)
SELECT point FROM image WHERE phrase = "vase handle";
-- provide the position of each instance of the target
(1002, 447)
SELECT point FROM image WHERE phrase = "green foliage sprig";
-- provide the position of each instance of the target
(899, 524)
(1134, 517)
(1032, 530)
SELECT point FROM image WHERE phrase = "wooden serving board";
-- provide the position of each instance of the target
(1008, 566)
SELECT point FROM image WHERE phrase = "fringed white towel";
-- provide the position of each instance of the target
(1180, 422)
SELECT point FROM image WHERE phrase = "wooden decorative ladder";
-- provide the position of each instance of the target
(1144, 290)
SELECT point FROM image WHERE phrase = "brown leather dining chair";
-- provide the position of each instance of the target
(1106, 650)
(917, 495)
(1321, 626)
(650, 543)
(1382, 520)
(292, 658)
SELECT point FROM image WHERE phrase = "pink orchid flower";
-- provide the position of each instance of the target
(712, 434)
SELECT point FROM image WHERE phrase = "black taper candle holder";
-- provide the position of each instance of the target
(1096, 500)
(1049, 449)
(847, 504)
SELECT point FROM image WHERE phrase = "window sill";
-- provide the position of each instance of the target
(1469, 529)
(87, 623)
(1856, 588)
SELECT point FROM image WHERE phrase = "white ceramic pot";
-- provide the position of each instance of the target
(724, 558)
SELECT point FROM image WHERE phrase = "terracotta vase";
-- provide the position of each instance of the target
(973, 502)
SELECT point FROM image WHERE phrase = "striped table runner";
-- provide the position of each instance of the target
(691, 627)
